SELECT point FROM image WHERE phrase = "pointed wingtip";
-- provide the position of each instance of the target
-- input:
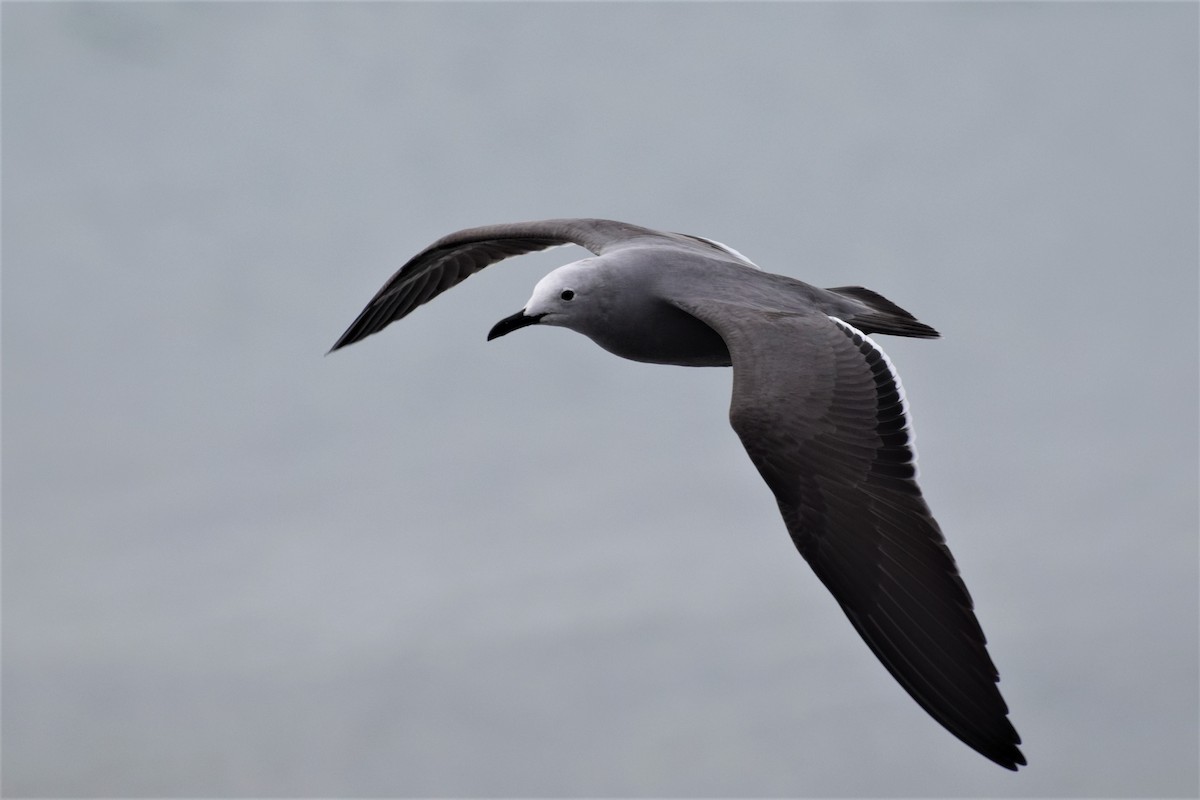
(1011, 759)
(1005, 752)
(338, 345)
(346, 339)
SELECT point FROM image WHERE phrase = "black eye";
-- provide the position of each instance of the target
(567, 294)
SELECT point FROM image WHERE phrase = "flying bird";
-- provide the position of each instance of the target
(816, 403)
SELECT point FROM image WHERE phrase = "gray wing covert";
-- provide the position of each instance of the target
(821, 413)
(453, 258)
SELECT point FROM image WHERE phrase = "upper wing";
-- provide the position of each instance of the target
(820, 410)
(451, 259)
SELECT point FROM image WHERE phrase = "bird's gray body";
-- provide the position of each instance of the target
(816, 403)
(639, 287)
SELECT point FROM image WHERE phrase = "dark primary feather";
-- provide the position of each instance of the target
(820, 414)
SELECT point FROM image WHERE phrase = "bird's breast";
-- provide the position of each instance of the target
(665, 335)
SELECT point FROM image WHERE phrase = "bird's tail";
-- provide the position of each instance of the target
(880, 315)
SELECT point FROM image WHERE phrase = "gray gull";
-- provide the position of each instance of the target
(816, 403)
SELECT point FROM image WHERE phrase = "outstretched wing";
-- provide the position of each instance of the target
(452, 259)
(820, 410)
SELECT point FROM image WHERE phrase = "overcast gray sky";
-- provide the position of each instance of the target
(432, 565)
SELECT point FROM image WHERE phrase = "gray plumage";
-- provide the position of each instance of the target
(816, 403)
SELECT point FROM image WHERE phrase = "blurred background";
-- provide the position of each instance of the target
(432, 565)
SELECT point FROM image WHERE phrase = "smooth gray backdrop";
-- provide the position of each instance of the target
(430, 565)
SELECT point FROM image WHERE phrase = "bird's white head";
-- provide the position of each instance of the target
(569, 297)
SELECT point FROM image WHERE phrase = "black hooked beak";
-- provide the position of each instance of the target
(510, 324)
